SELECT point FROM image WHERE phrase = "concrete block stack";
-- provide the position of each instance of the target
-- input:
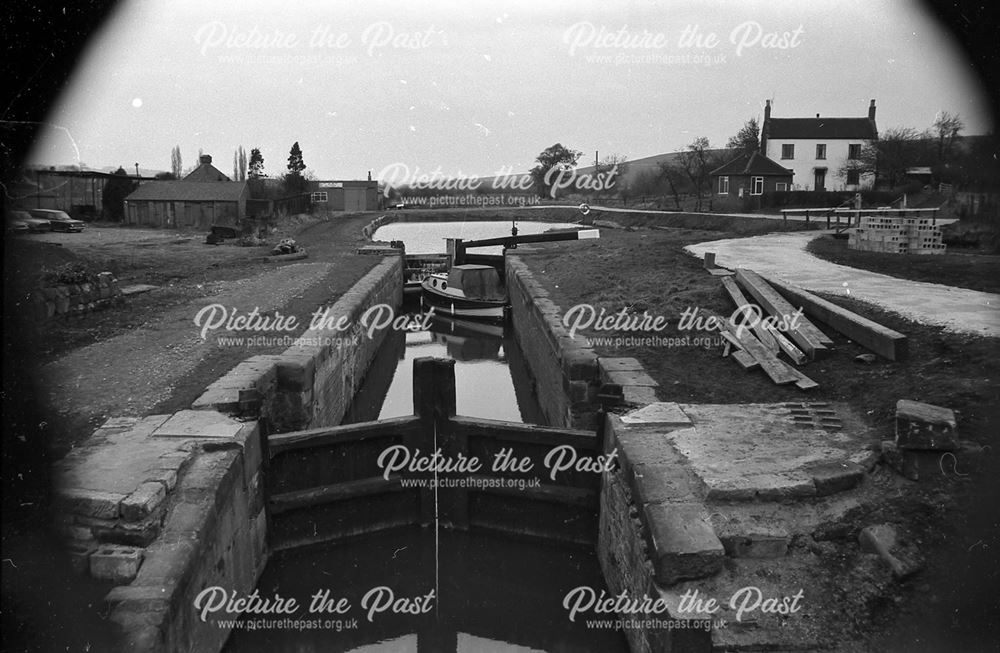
(892, 235)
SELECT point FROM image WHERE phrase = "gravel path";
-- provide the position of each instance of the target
(158, 354)
(784, 257)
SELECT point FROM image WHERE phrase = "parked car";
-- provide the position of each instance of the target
(58, 220)
(30, 223)
(15, 226)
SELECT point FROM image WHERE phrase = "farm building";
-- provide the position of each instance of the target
(357, 195)
(187, 204)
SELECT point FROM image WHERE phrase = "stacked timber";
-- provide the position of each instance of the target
(770, 329)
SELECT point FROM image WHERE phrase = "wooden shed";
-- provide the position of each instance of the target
(187, 204)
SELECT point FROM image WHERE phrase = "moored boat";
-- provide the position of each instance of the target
(472, 291)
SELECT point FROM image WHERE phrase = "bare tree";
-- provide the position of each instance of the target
(888, 158)
(673, 174)
(946, 127)
(696, 162)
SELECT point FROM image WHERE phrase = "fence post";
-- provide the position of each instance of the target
(434, 403)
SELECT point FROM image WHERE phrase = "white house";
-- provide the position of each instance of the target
(817, 149)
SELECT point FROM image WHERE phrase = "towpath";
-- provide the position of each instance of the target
(784, 256)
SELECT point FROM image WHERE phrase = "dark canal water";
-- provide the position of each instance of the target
(492, 593)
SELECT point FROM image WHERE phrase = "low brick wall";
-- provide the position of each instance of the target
(75, 299)
(565, 370)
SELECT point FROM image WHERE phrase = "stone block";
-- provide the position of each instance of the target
(639, 395)
(296, 372)
(579, 364)
(665, 484)
(166, 476)
(626, 378)
(683, 544)
(925, 426)
(90, 503)
(116, 563)
(166, 562)
(146, 498)
(835, 476)
(578, 391)
(199, 424)
(223, 400)
(776, 486)
(622, 364)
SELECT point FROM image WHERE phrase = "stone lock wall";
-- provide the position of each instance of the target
(565, 370)
(312, 383)
(193, 513)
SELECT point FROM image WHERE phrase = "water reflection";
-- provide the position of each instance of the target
(490, 595)
(491, 377)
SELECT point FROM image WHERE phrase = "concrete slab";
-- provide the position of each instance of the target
(665, 413)
(199, 424)
(115, 460)
(771, 451)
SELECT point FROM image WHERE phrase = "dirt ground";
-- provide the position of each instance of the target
(188, 274)
(952, 604)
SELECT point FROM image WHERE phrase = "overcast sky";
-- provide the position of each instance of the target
(471, 87)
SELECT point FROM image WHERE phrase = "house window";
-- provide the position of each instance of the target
(318, 197)
(788, 151)
(781, 186)
(854, 151)
(723, 185)
(821, 151)
(756, 185)
(853, 177)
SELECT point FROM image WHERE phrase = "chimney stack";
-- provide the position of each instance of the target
(871, 110)
(205, 159)
(763, 127)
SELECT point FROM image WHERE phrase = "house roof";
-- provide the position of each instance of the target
(752, 164)
(190, 191)
(206, 172)
(825, 128)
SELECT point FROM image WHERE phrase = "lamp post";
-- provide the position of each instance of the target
(137, 170)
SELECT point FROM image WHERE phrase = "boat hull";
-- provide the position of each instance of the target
(453, 304)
